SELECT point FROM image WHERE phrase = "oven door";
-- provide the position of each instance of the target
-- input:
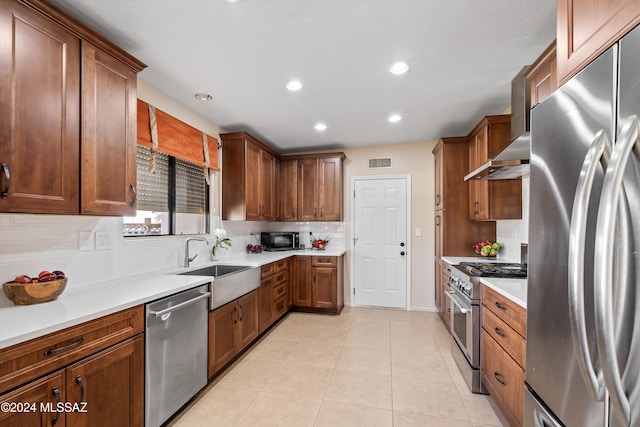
(462, 325)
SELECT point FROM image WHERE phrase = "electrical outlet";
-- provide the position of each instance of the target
(418, 231)
(85, 241)
(103, 241)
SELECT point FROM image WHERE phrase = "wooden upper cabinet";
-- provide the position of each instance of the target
(586, 28)
(40, 86)
(108, 135)
(50, 67)
(497, 199)
(249, 177)
(288, 189)
(543, 75)
(320, 188)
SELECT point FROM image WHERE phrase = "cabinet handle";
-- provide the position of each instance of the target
(7, 180)
(315, 212)
(56, 393)
(53, 351)
(80, 383)
(500, 306)
(321, 208)
(235, 318)
(293, 212)
(500, 333)
(241, 313)
(437, 199)
(498, 378)
(437, 219)
(135, 195)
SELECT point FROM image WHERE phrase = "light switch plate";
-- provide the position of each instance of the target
(85, 240)
(103, 241)
(418, 231)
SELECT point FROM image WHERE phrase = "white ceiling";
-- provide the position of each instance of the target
(462, 53)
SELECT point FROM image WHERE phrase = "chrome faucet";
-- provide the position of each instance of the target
(187, 260)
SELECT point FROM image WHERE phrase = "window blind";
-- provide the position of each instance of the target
(190, 188)
(153, 189)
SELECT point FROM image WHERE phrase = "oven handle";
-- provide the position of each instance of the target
(457, 302)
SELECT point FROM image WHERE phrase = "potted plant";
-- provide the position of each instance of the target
(222, 241)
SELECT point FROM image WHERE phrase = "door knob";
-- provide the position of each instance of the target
(402, 253)
(402, 244)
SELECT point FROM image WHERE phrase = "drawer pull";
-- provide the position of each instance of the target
(7, 180)
(56, 393)
(324, 261)
(235, 312)
(500, 306)
(81, 384)
(53, 351)
(500, 333)
(498, 378)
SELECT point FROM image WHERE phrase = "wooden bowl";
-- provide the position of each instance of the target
(34, 293)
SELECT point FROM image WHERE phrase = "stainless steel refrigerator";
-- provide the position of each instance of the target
(583, 307)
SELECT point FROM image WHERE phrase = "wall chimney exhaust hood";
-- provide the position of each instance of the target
(513, 161)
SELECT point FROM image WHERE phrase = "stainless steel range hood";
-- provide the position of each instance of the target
(513, 161)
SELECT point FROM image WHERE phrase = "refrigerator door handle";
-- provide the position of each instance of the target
(599, 153)
(604, 265)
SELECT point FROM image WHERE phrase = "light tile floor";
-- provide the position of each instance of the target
(367, 367)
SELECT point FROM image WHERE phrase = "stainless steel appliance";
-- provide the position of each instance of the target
(175, 352)
(466, 304)
(583, 312)
(280, 241)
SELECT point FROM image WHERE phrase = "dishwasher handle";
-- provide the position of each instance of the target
(170, 310)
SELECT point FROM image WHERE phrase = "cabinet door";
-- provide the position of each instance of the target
(308, 189)
(330, 189)
(112, 384)
(288, 189)
(108, 134)
(324, 288)
(247, 326)
(265, 310)
(543, 76)
(48, 390)
(222, 325)
(302, 281)
(253, 160)
(40, 119)
(267, 180)
(586, 28)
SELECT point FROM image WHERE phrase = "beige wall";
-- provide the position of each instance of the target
(416, 160)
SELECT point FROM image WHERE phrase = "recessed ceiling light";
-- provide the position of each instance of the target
(320, 127)
(203, 96)
(394, 118)
(399, 68)
(294, 85)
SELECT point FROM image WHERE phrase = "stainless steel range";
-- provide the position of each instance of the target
(466, 302)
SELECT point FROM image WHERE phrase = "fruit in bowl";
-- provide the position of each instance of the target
(254, 249)
(25, 290)
(487, 249)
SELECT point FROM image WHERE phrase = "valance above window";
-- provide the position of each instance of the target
(176, 138)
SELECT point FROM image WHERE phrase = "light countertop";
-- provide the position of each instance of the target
(455, 260)
(87, 302)
(514, 289)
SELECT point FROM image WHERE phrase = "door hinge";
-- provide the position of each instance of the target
(354, 194)
(354, 291)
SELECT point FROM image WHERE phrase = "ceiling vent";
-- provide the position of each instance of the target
(384, 163)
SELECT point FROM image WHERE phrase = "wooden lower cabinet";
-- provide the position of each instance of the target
(106, 389)
(445, 302)
(503, 354)
(318, 284)
(274, 292)
(231, 328)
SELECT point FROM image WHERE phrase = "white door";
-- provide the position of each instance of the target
(380, 245)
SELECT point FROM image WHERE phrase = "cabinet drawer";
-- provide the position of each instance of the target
(280, 307)
(280, 278)
(446, 269)
(503, 378)
(26, 361)
(282, 265)
(510, 312)
(508, 339)
(279, 291)
(267, 270)
(324, 261)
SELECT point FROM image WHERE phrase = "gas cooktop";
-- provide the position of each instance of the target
(494, 269)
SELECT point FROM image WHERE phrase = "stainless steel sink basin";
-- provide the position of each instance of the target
(229, 282)
(216, 270)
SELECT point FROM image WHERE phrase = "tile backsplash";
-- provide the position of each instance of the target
(32, 243)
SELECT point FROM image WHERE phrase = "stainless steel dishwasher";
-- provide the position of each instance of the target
(175, 352)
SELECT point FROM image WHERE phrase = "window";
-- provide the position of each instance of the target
(174, 200)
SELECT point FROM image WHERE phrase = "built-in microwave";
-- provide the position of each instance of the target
(280, 241)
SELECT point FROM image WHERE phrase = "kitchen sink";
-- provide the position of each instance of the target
(216, 270)
(229, 282)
